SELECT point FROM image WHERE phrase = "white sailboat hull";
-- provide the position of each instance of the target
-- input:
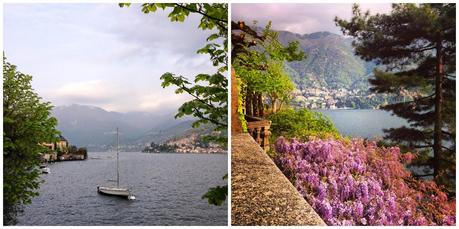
(114, 191)
(46, 170)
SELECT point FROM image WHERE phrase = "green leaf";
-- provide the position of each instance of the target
(216, 195)
(213, 37)
(124, 4)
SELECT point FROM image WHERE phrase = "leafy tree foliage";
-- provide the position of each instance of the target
(301, 123)
(27, 122)
(160, 147)
(209, 91)
(273, 82)
(416, 43)
(261, 66)
(78, 151)
(217, 195)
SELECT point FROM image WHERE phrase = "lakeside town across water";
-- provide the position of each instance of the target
(63, 151)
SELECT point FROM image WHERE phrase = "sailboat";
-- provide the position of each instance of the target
(116, 191)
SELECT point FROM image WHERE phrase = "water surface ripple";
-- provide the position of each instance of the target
(168, 190)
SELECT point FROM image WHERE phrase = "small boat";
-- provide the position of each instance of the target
(116, 191)
(123, 192)
(45, 169)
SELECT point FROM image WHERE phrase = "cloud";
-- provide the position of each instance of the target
(111, 97)
(157, 101)
(103, 55)
(86, 91)
(300, 18)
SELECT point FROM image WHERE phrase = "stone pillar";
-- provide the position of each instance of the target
(236, 125)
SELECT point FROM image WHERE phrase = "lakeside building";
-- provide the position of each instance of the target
(61, 145)
(61, 151)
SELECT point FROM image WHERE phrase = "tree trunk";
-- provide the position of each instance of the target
(274, 102)
(281, 104)
(438, 110)
(260, 105)
(248, 103)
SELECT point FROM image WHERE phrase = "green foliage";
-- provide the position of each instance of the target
(159, 148)
(272, 82)
(78, 151)
(27, 122)
(59, 152)
(217, 195)
(240, 102)
(301, 123)
(331, 62)
(83, 151)
(209, 103)
(261, 69)
(72, 149)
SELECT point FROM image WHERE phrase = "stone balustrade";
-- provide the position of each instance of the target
(259, 130)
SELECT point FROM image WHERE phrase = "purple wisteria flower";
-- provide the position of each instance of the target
(356, 183)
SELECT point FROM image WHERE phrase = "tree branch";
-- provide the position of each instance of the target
(201, 116)
(244, 28)
(421, 146)
(416, 99)
(446, 148)
(218, 20)
(447, 133)
(196, 97)
(423, 49)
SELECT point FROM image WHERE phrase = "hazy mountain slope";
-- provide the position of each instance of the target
(93, 126)
(160, 134)
(330, 61)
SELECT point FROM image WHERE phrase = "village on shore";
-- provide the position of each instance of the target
(189, 144)
(63, 151)
(342, 98)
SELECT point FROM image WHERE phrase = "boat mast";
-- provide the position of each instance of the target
(117, 159)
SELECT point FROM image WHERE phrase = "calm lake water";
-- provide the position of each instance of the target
(367, 124)
(363, 123)
(168, 190)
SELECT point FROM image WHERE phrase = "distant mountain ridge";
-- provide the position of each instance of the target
(330, 63)
(94, 127)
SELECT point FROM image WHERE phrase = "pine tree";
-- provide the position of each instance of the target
(415, 46)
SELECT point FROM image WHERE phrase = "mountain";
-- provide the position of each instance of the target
(166, 132)
(330, 62)
(94, 127)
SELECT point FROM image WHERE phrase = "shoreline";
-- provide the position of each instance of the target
(226, 152)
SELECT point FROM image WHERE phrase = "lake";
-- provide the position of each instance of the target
(363, 123)
(168, 190)
(368, 124)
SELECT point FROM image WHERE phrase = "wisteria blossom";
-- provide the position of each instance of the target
(355, 182)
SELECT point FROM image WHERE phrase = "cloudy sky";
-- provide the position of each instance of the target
(103, 55)
(300, 18)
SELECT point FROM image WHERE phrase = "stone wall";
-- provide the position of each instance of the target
(260, 193)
